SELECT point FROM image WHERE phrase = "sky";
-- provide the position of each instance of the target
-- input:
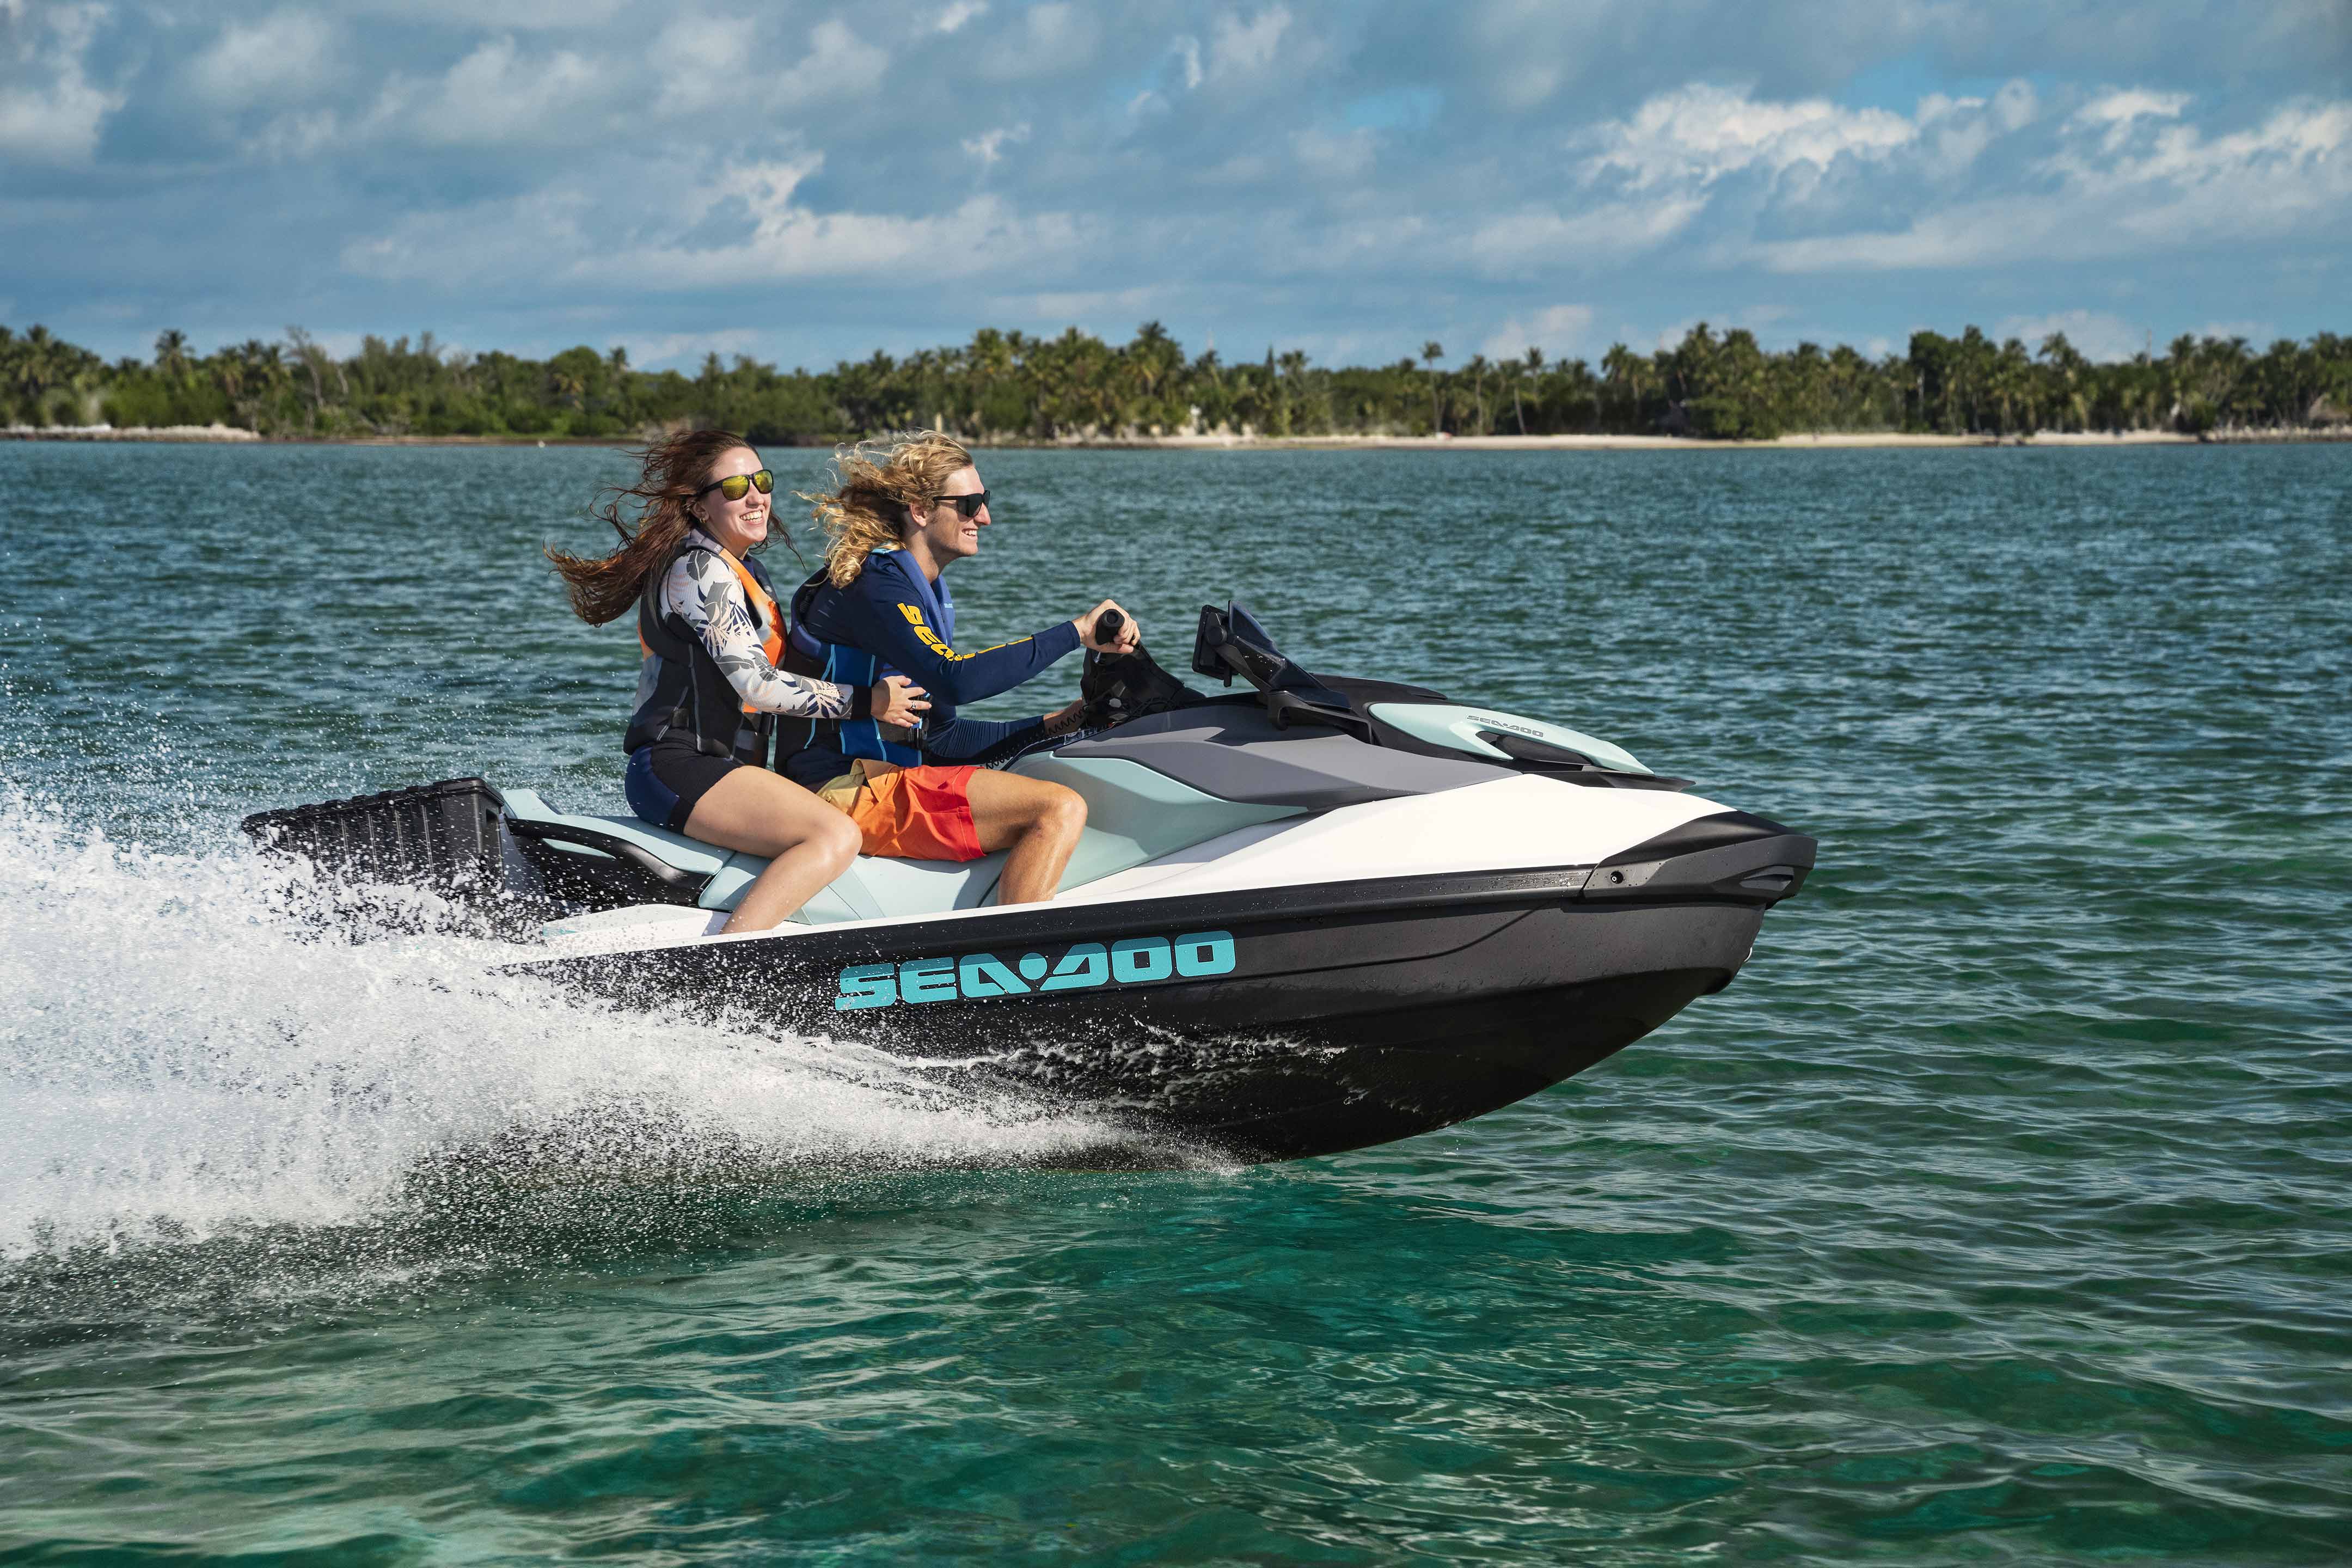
(805, 183)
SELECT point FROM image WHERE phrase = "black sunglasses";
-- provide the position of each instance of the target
(966, 506)
(735, 486)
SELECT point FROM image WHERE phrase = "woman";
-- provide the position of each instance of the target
(709, 688)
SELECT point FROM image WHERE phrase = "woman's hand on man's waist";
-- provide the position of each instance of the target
(895, 700)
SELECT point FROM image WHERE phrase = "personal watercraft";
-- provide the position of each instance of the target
(1308, 915)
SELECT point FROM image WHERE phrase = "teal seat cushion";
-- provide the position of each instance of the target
(1133, 815)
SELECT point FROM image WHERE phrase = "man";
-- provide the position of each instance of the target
(902, 512)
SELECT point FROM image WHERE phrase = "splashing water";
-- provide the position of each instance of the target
(193, 1051)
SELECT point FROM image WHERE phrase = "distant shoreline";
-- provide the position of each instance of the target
(1826, 440)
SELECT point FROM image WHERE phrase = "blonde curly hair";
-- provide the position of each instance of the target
(880, 487)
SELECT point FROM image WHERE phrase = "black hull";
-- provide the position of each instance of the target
(1316, 1019)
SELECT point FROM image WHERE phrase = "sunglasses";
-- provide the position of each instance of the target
(966, 507)
(735, 487)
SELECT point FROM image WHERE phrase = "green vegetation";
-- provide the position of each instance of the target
(1010, 387)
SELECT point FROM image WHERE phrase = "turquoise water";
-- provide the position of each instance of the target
(1998, 1212)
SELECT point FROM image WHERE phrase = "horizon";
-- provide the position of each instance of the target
(689, 361)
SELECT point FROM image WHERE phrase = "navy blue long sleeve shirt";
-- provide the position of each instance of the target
(907, 621)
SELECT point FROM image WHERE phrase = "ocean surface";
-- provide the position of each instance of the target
(2001, 1211)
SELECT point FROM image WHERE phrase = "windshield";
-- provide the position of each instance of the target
(1232, 642)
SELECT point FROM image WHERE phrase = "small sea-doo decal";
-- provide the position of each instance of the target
(976, 976)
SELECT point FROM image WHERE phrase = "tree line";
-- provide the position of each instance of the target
(1011, 387)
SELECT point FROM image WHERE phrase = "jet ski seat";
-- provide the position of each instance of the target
(1134, 815)
(903, 886)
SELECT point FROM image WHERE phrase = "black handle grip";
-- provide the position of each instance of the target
(1106, 626)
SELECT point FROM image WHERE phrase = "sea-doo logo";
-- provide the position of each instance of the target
(976, 976)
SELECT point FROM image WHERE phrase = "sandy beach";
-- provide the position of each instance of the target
(127, 433)
(1836, 438)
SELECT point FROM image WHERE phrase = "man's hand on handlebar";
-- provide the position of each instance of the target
(1125, 635)
(898, 700)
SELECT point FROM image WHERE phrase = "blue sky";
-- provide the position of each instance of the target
(811, 182)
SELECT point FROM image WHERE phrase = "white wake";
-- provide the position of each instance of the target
(186, 1048)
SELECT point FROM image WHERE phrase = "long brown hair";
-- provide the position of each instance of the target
(878, 484)
(606, 587)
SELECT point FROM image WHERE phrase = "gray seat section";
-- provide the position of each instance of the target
(1232, 752)
(690, 855)
(1134, 814)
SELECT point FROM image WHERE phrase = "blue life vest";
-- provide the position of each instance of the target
(805, 654)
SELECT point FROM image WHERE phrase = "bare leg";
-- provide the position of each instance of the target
(808, 843)
(1039, 822)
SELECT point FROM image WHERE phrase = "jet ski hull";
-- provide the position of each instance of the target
(1328, 914)
(1285, 1023)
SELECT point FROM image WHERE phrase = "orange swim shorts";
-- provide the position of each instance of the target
(910, 814)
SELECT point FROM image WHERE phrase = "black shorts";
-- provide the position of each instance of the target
(668, 780)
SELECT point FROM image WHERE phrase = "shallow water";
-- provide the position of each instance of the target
(1998, 1212)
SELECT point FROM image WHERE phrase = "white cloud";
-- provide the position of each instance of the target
(1560, 331)
(2112, 114)
(952, 19)
(1053, 39)
(698, 57)
(1244, 48)
(2096, 334)
(50, 112)
(284, 55)
(1701, 132)
(1970, 235)
(496, 96)
(839, 63)
(1612, 232)
(2128, 181)
(1078, 307)
(789, 241)
(2120, 108)
(1528, 48)
(2126, 174)
(1335, 158)
(502, 16)
(989, 146)
(1954, 132)
(514, 238)
(2016, 105)
(294, 136)
(566, 235)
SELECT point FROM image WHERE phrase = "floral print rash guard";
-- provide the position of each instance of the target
(701, 592)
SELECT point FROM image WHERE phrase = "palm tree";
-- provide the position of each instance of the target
(172, 352)
(1622, 367)
(307, 349)
(1431, 352)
